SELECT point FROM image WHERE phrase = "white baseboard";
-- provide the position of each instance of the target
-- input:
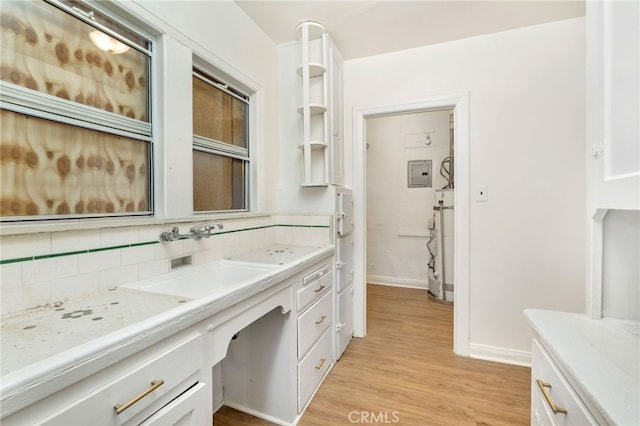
(498, 354)
(396, 282)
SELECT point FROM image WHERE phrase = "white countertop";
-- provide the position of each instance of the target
(37, 334)
(601, 358)
(41, 346)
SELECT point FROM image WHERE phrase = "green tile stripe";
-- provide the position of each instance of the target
(146, 243)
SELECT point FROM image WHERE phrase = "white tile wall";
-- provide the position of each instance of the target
(31, 283)
(17, 246)
(49, 269)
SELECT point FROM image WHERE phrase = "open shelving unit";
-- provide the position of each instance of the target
(313, 110)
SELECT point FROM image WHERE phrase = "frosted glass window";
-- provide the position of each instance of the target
(220, 142)
(219, 182)
(51, 169)
(76, 135)
(51, 51)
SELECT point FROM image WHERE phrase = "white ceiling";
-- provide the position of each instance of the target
(365, 28)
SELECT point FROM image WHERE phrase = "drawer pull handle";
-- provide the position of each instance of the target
(321, 363)
(322, 318)
(319, 289)
(154, 385)
(543, 387)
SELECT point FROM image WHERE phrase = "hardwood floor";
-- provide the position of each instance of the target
(404, 372)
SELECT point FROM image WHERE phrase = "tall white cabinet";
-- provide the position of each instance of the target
(320, 108)
(613, 129)
(344, 270)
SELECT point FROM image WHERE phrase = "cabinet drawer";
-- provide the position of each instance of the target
(134, 377)
(314, 286)
(313, 322)
(547, 378)
(312, 368)
(185, 410)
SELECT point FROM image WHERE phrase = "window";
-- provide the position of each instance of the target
(76, 137)
(220, 145)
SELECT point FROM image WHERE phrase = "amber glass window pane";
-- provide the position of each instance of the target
(47, 50)
(218, 182)
(50, 168)
(218, 115)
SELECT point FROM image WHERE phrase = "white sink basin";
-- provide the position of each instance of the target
(216, 278)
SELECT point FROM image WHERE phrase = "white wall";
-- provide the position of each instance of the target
(397, 216)
(527, 103)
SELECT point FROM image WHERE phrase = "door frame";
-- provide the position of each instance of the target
(460, 104)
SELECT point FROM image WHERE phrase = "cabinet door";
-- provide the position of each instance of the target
(344, 261)
(344, 322)
(337, 140)
(613, 105)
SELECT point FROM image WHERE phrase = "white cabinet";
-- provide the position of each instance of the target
(322, 150)
(161, 384)
(553, 401)
(314, 330)
(336, 110)
(613, 104)
(314, 146)
(344, 270)
(613, 128)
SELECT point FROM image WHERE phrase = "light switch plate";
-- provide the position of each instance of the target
(482, 194)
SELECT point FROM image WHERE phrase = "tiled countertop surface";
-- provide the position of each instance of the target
(39, 345)
(601, 356)
(36, 334)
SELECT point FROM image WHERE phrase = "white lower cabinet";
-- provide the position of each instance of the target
(314, 329)
(344, 326)
(312, 369)
(553, 400)
(162, 381)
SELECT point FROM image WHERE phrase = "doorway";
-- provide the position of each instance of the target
(460, 105)
(410, 180)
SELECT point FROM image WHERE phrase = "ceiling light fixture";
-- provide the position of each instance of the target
(107, 43)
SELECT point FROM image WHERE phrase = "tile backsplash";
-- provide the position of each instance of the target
(46, 267)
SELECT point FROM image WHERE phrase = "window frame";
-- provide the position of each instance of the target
(42, 105)
(209, 75)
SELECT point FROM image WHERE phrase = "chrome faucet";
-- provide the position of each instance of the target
(197, 232)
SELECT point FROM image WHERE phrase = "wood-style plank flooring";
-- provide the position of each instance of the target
(404, 372)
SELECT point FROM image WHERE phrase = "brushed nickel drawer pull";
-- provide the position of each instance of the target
(319, 289)
(154, 385)
(322, 318)
(321, 363)
(543, 387)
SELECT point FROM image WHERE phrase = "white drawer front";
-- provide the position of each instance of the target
(546, 377)
(134, 377)
(186, 410)
(314, 289)
(312, 369)
(313, 322)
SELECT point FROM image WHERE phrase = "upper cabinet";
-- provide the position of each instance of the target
(320, 107)
(613, 147)
(613, 105)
